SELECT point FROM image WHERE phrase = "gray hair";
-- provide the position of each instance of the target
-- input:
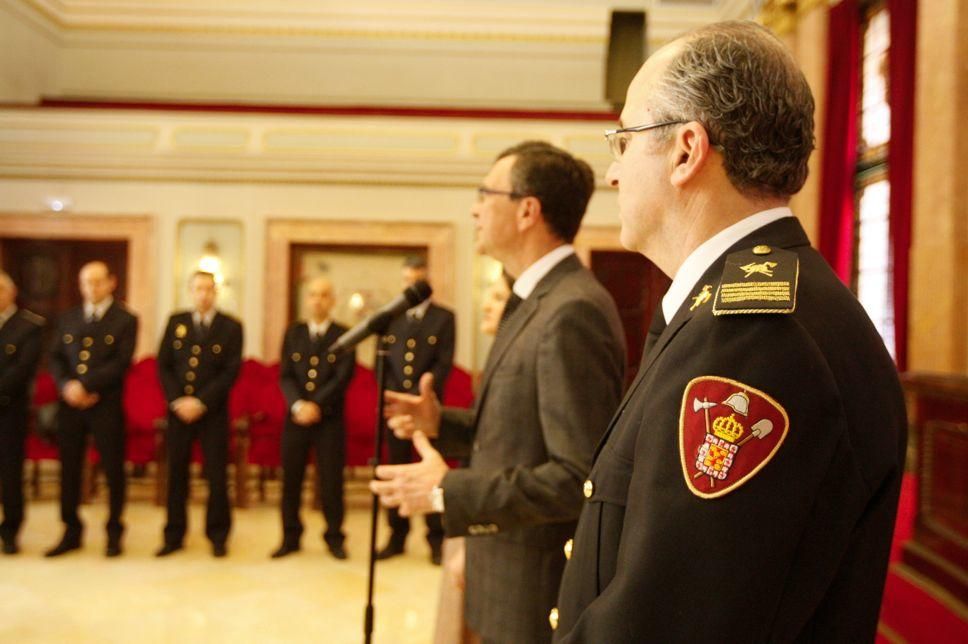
(743, 85)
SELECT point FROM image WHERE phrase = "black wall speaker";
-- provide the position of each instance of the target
(626, 53)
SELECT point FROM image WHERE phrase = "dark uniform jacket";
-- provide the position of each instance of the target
(552, 380)
(417, 347)
(309, 373)
(789, 545)
(20, 340)
(206, 368)
(97, 354)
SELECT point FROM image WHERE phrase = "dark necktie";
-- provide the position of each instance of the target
(514, 301)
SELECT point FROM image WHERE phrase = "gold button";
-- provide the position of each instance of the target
(588, 489)
(196, 349)
(11, 349)
(189, 390)
(310, 386)
(553, 619)
(68, 338)
(177, 344)
(314, 360)
(216, 349)
(569, 546)
(762, 250)
(407, 384)
(331, 358)
(408, 356)
(109, 339)
(193, 362)
(82, 369)
(84, 355)
(190, 376)
(391, 339)
(408, 370)
(432, 340)
(312, 373)
(296, 357)
(411, 343)
(88, 341)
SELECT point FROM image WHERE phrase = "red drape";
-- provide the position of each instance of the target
(900, 168)
(840, 139)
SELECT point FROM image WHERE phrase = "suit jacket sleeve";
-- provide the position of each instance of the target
(216, 392)
(576, 399)
(287, 374)
(336, 384)
(58, 363)
(166, 364)
(445, 354)
(23, 369)
(456, 435)
(110, 375)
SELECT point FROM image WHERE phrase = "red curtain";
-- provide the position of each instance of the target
(840, 139)
(900, 160)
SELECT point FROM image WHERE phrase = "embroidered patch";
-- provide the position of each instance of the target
(728, 432)
(761, 280)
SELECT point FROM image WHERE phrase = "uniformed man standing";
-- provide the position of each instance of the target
(198, 362)
(421, 342)
(314, 383)
(746, 488)
(20, 347)
(91, 354)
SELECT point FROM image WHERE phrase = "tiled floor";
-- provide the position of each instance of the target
(191, 597)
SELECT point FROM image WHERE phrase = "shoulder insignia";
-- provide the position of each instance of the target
(701, 298)
(33, 318)
(758, 280)
(728, 432)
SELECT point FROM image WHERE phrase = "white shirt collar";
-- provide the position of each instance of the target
(7, 314)
(709, 251)
(98, 310)
(198, 318)
(526, 282)
(420, 310)
(319, 329)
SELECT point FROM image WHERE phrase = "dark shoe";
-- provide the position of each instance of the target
(113, 549)
(285, 549)
(338, 551)
(219, 550)
(168, 548)
(10, 547)
(436, 554)
(66, 545)
(391, 550)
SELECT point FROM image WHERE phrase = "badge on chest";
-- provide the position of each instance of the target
(728, 432)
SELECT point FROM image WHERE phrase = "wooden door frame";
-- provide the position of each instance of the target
(281, 234)
(137, 231)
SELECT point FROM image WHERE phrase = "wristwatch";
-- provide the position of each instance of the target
(437, 499)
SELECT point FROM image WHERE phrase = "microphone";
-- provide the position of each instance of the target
(380, 319)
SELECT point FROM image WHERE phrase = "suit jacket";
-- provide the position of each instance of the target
(97, 354)
(552, 380)
(797, 550)
(204, 367)
(308, 372)
(417, 347)
(20, 347)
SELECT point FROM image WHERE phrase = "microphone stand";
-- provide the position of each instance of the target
(382, 351)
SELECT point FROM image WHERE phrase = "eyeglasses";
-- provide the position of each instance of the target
(483, 192)
(618, 140)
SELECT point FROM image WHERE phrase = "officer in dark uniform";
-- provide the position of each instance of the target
(421, 341)
(20, 346)
(91, 354)
(746, 489)
(314, 383)
(198, 362)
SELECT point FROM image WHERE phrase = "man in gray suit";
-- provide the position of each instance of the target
(552, 380)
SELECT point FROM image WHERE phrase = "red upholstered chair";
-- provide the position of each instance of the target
(40, 445)
(360, 416)
(459, 389)
(266, 422)
(145, 409)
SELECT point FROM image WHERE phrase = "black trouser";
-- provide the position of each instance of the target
(13, 432)
(212, 431)
(105, 421)
(401, 452)
(329, 441)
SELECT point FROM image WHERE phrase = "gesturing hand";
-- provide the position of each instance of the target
(408, 487)
(407, 413)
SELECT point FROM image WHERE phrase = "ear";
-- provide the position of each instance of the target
(528, 214)
(691, 152)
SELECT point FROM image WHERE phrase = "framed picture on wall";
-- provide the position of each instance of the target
(215, 246)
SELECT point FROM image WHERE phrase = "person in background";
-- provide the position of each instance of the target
(91, 354)
(198, 361)
(314, 383)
